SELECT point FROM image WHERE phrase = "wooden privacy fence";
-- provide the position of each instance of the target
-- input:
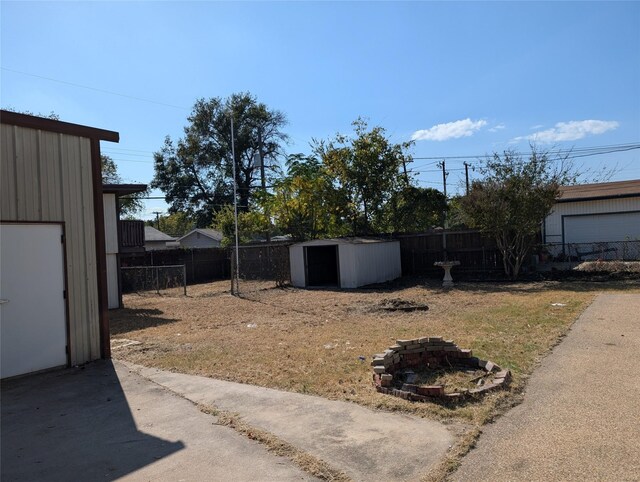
(264, 262)
(476, 253)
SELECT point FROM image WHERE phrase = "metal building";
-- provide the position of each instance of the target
(344, 262)
(52, 261)
(601, 212)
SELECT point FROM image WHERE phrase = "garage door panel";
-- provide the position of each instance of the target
(33, 330)
(596, 228)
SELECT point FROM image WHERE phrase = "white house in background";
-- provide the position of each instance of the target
(594, 213)
(155, 240)
(344, 262)
(53, 288)
(201, 238)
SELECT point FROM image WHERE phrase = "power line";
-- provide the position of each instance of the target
(579, 152)
(95, 89)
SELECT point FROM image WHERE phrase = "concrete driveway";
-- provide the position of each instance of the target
(580, 418)
(112, 421)
(105, 423)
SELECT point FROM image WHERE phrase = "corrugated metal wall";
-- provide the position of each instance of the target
(367, 263)
(46, 177)
(553, 222)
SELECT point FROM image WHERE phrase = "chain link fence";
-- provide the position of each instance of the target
(261, 268)
(167, 280)
(603, 251)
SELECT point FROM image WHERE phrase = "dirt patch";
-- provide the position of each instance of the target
(397, 304)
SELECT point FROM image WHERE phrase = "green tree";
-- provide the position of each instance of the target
(415, 209)
(366, 168)
(305, 203)
(195, 173)
(130, 205)
(513, 198)
(51, 115)
(251, 225)
(174, 224)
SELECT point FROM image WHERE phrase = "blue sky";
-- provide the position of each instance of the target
(461, 78)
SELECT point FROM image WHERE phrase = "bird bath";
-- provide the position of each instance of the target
(447, 281)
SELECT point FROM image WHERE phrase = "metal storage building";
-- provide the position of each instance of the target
(594, 213)
(344, 262)
(52, 262)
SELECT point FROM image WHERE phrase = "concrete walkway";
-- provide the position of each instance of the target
(98, 423)
(580, 419)
(367, 445)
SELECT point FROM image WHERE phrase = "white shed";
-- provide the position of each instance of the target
(53, 288)
(344, 262)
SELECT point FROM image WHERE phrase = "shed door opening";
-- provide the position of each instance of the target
(33, 327)
(322, 265)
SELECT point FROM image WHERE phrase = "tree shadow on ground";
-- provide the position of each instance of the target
(125, 320)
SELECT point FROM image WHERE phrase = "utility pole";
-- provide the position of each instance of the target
(404, 166)
(444, 176)
(157, 213)
(235, 211)
(444, 230)
(466, 175)
(263, 181)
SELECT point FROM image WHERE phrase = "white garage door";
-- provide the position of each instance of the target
(33, 330)
(596, 228)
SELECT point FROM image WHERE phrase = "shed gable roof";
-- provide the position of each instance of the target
(350, 240)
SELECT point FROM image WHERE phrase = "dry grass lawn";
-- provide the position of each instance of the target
(311, 341)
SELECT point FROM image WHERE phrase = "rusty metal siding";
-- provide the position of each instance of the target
(46, 177)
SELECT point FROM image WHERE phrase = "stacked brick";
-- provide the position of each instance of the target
(430, 353)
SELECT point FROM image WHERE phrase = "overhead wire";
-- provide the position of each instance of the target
(104, 91)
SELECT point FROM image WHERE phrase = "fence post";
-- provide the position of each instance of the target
(157, 281)
(233, 271)
(193, 268)
(184, 278)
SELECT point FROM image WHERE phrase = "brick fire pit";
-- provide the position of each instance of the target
(394, 375)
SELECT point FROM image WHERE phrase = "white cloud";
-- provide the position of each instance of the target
(497, 128)
(571, 131)
(450, 130)
(537, 126)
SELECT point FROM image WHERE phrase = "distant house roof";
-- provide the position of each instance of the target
(152, 234)
(210, 233)
(602, 190)
(123, 189)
